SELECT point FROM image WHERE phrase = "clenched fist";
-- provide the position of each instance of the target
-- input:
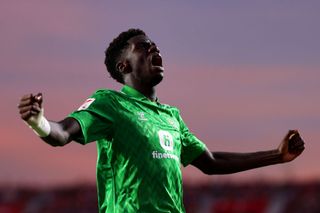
(31, 111)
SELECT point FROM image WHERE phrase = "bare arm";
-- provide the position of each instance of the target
(63, 132)
(60, 133)
(227, 162)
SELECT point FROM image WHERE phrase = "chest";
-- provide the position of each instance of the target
(149, 128)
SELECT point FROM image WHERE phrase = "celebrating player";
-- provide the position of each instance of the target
(142, 142)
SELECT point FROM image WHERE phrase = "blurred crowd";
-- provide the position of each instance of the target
(253, 198)
(212, 198)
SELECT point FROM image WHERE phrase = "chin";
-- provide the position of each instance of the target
(156, 79)
(156, 76)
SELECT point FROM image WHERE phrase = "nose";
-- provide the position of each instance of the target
(153, 48)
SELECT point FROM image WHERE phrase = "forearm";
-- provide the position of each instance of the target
(226, 162)
(58, 135)
(53, 133)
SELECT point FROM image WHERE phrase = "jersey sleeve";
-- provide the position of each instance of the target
(191, 147)
(96, 117)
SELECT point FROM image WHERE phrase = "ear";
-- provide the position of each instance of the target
(123, 67)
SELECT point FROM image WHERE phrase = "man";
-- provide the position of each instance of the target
(141, 142)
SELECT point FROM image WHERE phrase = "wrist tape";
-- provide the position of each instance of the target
(39, 124)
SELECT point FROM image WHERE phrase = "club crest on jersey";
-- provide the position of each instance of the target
(167, 144)
(86, 104)
(173, 123)
(166, 140)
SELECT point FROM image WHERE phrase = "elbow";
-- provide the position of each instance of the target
(213, 172)
(216, 170)
(208, 170)
(208, 173)
(57, 145)
(60, 143)
(54, 143)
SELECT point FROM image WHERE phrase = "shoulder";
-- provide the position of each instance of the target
(100, 99)
(106, 95)
(104, 92)
(175, 110)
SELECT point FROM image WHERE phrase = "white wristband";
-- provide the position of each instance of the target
(39, 124)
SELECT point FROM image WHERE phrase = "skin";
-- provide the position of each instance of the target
(136, 66)
(139, 73)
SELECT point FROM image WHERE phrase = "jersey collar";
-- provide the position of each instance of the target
(134, 93)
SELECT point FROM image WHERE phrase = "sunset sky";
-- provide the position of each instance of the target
(242, 73)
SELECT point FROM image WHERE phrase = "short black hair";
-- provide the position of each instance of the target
(114, 51)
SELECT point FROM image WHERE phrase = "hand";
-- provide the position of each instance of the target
(30, 107)
(291, 146)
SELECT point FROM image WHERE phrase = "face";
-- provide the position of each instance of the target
(144, 59)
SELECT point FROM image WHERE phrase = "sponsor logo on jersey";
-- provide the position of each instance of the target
(159, 155)
(86, 104)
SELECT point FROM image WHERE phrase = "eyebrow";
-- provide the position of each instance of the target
(146, 41)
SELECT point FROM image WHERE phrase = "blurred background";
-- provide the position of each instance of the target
(242, 73)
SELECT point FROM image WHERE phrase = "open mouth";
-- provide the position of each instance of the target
(156, 60)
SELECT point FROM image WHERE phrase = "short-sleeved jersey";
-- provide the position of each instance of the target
(141, 145)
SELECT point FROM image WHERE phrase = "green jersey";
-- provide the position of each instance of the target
(141, 145)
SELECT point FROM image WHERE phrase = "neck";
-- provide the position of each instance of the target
(149, 92)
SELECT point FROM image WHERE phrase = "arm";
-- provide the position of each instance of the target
(54, 133)
(63, 132)
(226, 163)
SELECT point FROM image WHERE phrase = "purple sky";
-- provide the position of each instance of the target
(242, 73)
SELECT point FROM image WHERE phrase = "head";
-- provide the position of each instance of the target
(132, 56)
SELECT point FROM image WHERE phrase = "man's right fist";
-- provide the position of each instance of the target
(31, 112)
(30, 105)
